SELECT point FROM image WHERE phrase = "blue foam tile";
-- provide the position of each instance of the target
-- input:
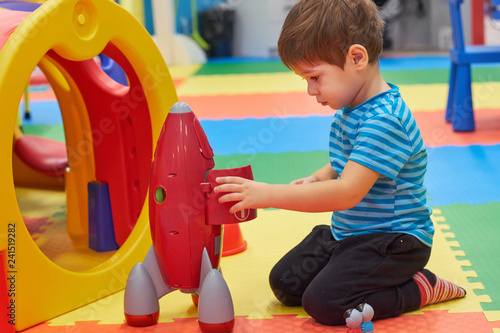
(415, 63)
(469, 175)
(268, 135)
(43, 113)
(419, 62)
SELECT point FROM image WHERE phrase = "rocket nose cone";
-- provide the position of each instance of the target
(180, 107)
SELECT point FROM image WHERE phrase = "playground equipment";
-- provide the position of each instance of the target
(110, 133)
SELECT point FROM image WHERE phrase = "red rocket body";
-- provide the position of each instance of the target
(186, 221)
(182, 161)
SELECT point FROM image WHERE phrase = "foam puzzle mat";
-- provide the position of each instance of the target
(258, 113)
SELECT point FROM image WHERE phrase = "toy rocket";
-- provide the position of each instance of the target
(186, 227)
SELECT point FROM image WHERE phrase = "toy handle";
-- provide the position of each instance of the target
(218, 213)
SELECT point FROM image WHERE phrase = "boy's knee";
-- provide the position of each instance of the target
(323, 309)
(284, 289)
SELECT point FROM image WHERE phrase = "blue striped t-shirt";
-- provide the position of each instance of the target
(382, 135)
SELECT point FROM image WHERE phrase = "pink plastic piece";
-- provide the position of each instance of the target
(44, 155)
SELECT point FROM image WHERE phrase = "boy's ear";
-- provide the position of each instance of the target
(358, 55)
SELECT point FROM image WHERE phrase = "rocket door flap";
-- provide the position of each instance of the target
(206, 150)
(218, 213)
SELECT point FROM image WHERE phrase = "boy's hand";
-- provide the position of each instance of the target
(248, 193)
(305, 180)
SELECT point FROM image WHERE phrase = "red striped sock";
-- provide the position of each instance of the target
(434, 289)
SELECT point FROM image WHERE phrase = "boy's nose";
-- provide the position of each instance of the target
(311, 90)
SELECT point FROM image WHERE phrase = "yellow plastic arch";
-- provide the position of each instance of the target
(77, 30)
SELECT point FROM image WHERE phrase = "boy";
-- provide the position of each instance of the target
(380, 235)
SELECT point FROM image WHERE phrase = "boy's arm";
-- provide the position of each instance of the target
(325, 173)
(321, 196)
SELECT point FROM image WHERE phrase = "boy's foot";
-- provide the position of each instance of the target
(434, 289)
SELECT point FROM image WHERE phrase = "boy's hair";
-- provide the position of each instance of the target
(323, 30)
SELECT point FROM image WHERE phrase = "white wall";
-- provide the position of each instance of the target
(258, 25)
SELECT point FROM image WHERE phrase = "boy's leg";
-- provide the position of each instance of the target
(290, 277)
(434, 289)
(376, 269)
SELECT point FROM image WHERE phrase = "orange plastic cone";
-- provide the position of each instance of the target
(233, 241)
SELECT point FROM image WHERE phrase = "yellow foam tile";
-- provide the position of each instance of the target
(425, 97)
(419, 97)
(455, 244)
(476, 285)
(464, 263)
(441, 226)
(431, 97)
(109, 310)
(445, 264)
(457, 253)
(492, 316)
(269, 237)
(471, 274)
(231, 84)
(448, 235)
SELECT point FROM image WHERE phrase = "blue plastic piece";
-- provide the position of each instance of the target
(459, 110)
(114, 71)
(101, 230)
(22, 6)
(367, 327)
(148, 17)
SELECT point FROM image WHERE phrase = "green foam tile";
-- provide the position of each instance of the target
(242, 68)
(276, 168)
(55, 132)
(477, 230)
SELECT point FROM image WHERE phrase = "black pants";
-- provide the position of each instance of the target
(328, 277)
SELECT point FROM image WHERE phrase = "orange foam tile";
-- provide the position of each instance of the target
(45, 94)
(178, 81)
(255, 106)
(437, 132)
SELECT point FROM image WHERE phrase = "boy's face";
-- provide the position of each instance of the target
(330, 84)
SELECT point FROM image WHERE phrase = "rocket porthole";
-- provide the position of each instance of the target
(160, 195)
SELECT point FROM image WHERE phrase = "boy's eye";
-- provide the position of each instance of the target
(314, 78)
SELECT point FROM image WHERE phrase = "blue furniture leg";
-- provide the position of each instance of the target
(452, 92)
(463, 115)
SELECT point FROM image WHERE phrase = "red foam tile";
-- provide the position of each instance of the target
(428, 322)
